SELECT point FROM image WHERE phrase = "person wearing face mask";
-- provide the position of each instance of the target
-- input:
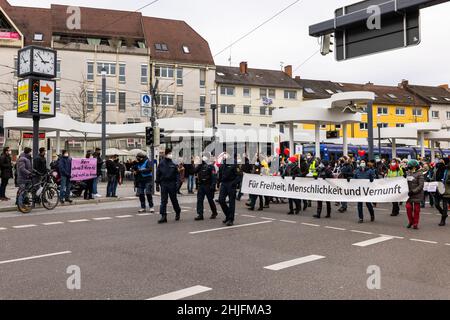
(416, 194)
(441, 201)
(65, 170)
(228, 178)
(88, 195)
(325, 172)
(167, 177)
(6, 172)
(112, 173)
(246, 167)
(205, 173)
(427, 175)
(143, 173)
(395, 171)
(346, 172)
(257, 169)
(363, 172)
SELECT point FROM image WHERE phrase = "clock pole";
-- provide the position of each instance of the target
(35, 138)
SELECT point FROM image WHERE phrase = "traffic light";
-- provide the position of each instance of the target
(149, 136)
(156, 140)
(326, 44)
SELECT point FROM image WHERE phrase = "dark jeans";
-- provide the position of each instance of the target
(169, 191)
(144, 188)
(89, 187)
(205, 190)
(228, 190)
(360, 209)
(253, 198)
(64, 193)
(190, 184)
(437, 202)
(395, 208)
(344, 205)
(3, 188)
(320, 205)
(111, 187)
(298, 205)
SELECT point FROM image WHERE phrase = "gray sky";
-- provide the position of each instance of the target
(286, 38)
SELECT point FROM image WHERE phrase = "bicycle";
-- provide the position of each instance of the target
(44, 191)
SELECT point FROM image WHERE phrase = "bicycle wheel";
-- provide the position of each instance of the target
(24, 201)
(50, 198)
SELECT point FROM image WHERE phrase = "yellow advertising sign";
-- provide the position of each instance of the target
(23, 96)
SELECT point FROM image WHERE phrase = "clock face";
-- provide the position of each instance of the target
(44, 62)
(24, 62)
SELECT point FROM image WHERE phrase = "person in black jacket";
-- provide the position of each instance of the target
(167, 177)
(40, 163)
(112, 172)
(205, 173)
(325, 172)
(99, 172)
(88, 192)
(6, 172)
(143, 174)
(228, 180)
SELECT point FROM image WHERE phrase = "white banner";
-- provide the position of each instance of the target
(335, 190)
(434, 187)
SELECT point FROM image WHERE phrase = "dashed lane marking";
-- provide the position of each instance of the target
(144, 214)
(232, 227)
(180, 294)
(1, 229)
(335, 228)
(270, 219)
(124, 216)
(294, 262)
(395, 237)
(372, 241)
(102, 218)
(359, 231)
(310, 224)
(248, 216)
(36, 257)
(288, 221)
(52, 223)
(424, 241)
(25, 226)
(79, 220)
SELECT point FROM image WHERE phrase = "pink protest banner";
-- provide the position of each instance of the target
(9, 35)
(84, 169)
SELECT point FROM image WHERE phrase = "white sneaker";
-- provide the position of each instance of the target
(152, 210)
(141, 211)
(98, 195)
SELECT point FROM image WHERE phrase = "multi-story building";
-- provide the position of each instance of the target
(247, 97)
(133, 50)
(393, 106)
(439, 100)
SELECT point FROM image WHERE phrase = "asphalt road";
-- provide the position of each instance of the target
(267, 255)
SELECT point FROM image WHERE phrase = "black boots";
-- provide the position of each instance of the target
(163, 219)
(199, 218)
(177, 216)
(213, 216)
(443, 219)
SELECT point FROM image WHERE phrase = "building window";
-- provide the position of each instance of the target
(309, 90)
(247, 124)
(392, 96)
(90, 100)
(110, 97)
(90, 71)
(247, 109)
(133, 120)
(166, 100)
(448, 115)
(161, 47)
(227, 108)
(164, 72)
(323, 126)
(202, 104)
(122, 78)
(179, 76)
(384, 125)
(262, 93)
(186, 49)
(417, 112)
(382, 111)
(179, 103)
(363, 126)
(338, 127)
(400, 111)
(226, 91)
(202, 78)
(272, 93)
(271, 110)
(144, 74)
(435, 114)
(122, 101)
(38, 37)
(58, 99)
(109, 67)
(247, 92)
(262, 111)
(290, 94)
(399, 125)
(263, 125)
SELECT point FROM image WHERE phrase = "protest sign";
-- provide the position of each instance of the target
(335, 190)
(84, 169)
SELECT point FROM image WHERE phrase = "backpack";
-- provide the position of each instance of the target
(204, 175)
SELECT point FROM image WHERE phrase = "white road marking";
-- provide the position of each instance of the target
(185, 210)
(395, 237)
(270, 219)
(232, 227)
(248, 216)
(427, 213)
(180, 294)
(294, 262)
(36, 257)
(25, 226)
(335, 228)
(1, 229)
(102, 218)
(124, 216)
(76, 221)
(288, 221)
(52, 223)
(359, 231)
(447, 244)
(372, 241)
(144, 214)
(424, 241)
(310, 224)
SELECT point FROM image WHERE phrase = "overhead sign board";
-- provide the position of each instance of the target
(36, 97)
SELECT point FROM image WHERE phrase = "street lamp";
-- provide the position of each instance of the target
(379, 135)
(103, 73)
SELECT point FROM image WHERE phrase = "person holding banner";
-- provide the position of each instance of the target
(65, 170)
(365, 173)
(257, 169)
(395, 171)
(416, 193)
(88, 192)
(346, 172)
(441, 175)
(293, 170)
(325, 172)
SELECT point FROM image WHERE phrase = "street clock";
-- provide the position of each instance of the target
(37, 61)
